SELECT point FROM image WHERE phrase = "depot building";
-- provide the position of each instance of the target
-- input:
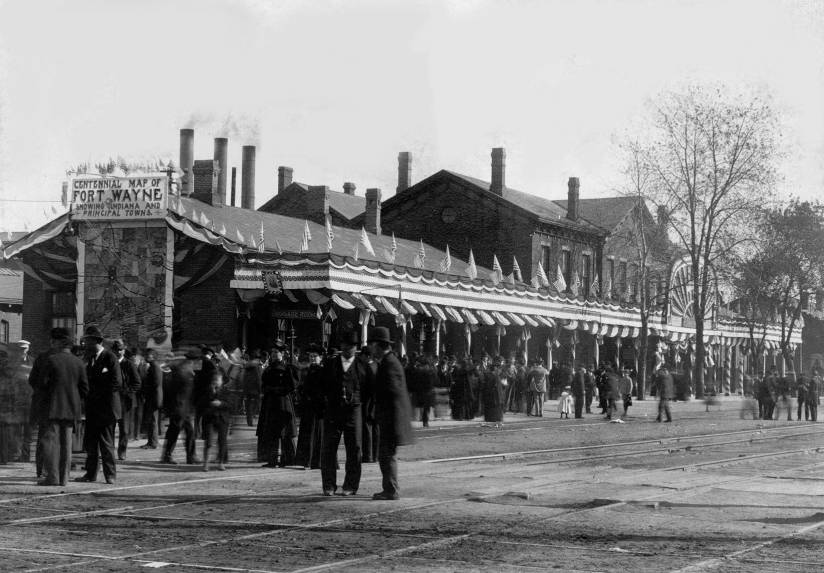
(452, 264)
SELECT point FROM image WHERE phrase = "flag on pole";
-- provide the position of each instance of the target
(389, 254)
(559, 284)
(356, 253)
(471, 269)
(262, 239)
(593, 289)
(223, 229)
(608, 288)
(420, 257)
(446, 262)
(364, 239)
(253, 245)
(497, 273)
(540, 277)
(239, 236)
(277, 244)
(204, 220)
(576, 284)
(516, 270)
(307, 236)
(330, 235)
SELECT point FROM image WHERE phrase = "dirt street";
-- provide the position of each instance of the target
(709, 492)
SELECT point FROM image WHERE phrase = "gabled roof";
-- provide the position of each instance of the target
(544, 210)
(605, 212)
(347, 206)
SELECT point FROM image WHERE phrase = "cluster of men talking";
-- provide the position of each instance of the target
(774, 392)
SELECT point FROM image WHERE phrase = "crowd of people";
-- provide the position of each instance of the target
(360, 392)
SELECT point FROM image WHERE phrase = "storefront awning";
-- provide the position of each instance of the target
(437, 312)
(470, 318)
(516, 319)
(485, 317)
(500, 318)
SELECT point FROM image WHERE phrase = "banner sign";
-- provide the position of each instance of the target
(295, 314)
(139, 197)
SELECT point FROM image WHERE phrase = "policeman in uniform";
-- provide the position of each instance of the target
(343, 381)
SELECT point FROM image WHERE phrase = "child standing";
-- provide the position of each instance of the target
(566, 402)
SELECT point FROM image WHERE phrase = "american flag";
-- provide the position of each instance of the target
(364, 240)
(420, 257)
(516, 270)
(540, 277)
(559, 284)
(594, 288)
(446, 262)
(389, 254)
(330, 235)
(262, 239)
(497, 273)
(307, 236)
(576, 284)
(471, 269)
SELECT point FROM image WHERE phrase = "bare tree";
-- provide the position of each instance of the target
(713, 155)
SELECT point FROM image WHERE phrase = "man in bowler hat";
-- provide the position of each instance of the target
(63, 385)
(102, 407)
(343, 382)
(392, 410)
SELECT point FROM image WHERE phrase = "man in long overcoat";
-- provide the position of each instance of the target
(393, 411)
(152, 389)
(579, 389)
(128, 396)
(64, 385)
(102, 407)
(277, 427)
(181, 409)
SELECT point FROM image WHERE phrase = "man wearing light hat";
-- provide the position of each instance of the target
(102, 407)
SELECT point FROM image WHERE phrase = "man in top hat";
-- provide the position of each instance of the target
(63, 385)
(343, 382)
(128, 396)
(102, 406)
(392, 410)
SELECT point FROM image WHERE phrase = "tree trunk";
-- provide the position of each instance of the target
(643, 350)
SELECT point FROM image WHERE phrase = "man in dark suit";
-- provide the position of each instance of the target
(128, 396)
(152, 388)
(64, 385)
(370, 437)
(665, 389)
(579, 387)
(277, 427)
(393, 411)
(102, 406)
(181, 409)
(343, 381)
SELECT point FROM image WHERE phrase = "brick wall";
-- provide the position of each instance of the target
(36, 309)
(206, 313)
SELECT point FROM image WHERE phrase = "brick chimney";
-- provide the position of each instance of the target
(372, 218)
(574, 187)
(317, 203)
(221, 159)
(498, 181)
(284, 177)
(404, 171)
(187, 161)
(349, 188)
(204, 180)
(247, 174)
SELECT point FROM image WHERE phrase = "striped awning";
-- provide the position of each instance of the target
(470, 318)
(422, 308)
(342, 302)
(571, 325)
(363, 301)
(408, 308)
(545, 321)
(316, 297)
(437, 312)
(500, 318)
(453, 314)
(484, 317)
(516, 319)
(388, 307)
(530, 320)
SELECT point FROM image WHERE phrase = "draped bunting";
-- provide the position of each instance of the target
(437, 311)
(516, 319)
(341, 302)
(453, 314)
(407, 308)
(470, 318)
(484, 317)
(571, 325)
(530, 320)
(316, 297)
(501, 319)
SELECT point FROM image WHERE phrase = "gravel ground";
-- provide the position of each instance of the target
(709, 492)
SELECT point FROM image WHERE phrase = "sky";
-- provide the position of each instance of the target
(335, 89)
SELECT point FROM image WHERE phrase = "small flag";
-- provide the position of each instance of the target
(262, 239)
(593, 289)
(576, 284)
(204, 220)
(332, 315)
(330, 235)
(608, 288)
(540, 275)
(240, 238)
(516, 270)
(356, 253)
(420, 257)
(446, 262)
(389, 254)
(223, 229)
(497, 273)
(471, 269)
(559, 284)
(364, 239)
(319, 313)
(307, 236)
(253, 245)
(277, 244)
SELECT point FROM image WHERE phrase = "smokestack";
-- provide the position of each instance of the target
(221, 157)
(573, 186)
(498, 183)
(247, 182)
(372, 218)
(349, 188)
(234, 184)
(404, 171)
(187, 161)
(284, 177)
